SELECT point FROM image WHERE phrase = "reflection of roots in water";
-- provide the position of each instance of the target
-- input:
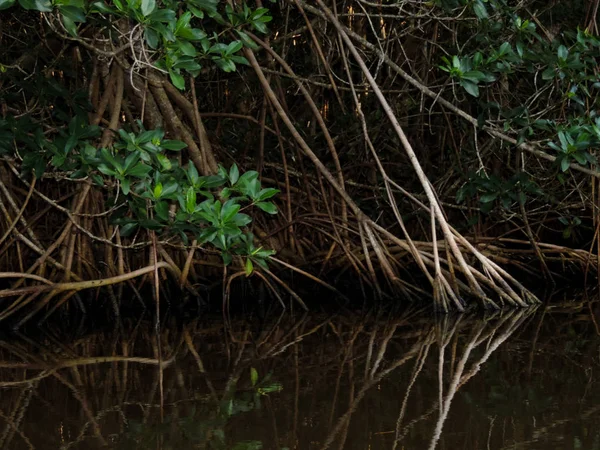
(115, 381)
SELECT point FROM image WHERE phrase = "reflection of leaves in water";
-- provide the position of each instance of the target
(248, 445)
(206, 428)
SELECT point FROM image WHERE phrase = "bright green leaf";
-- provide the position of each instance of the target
(190, 200)
(249, 267)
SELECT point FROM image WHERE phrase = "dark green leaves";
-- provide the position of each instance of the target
(71, 15)
(177, 80)
(464, 69)
(480, 10)
(36, 5)
(470, 87)
(173, 145)
(5, 4)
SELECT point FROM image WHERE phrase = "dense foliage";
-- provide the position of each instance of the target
(441, 135)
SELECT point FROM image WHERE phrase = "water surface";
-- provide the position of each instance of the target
(511, 380)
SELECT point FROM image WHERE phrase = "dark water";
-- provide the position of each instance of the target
(515, 380)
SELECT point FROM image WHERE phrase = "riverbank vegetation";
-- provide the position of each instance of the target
(441, 149)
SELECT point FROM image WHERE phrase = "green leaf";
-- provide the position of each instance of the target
(234, 47)
(231, 230)
(98, 180)
(157, 190)
(225, 64)
(192, 34)
(504, 49)
(563, 53)
(210, 6)
(196, 12)
(247, 177)
(163, 15)
(151, 224)
(474, 75)
(249, 267)
(240, 60)
(260, 27)
(267, 207)
(139, 170)
(230, 209)
(487, 198)
(5, 4)
(247, 40)
(213, 181)
(151, 37)
(564, 164)
(126, 186)
(253, 376)
(106, 170)
(267, 193)
(258, 13)
(132, 159)
(162, 210)
(147, 7)
(234, 174)
(470, 87)
(188, 64)
(192, 174)
(241, 219)
(190, 200)
(479, 9)
(173, 145)
(187, 48)
(519, 49)
(101, 7)
(169, 188)
(39, 167)
(70, 16)
(548, 74)
(128, 229)
(207, 235)
(164, 162)
(177, 80)
(183, 22)
(262, 263)
(70, 26)
(108, 157)
(226, 258)
(580, 158)
(37, 5)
